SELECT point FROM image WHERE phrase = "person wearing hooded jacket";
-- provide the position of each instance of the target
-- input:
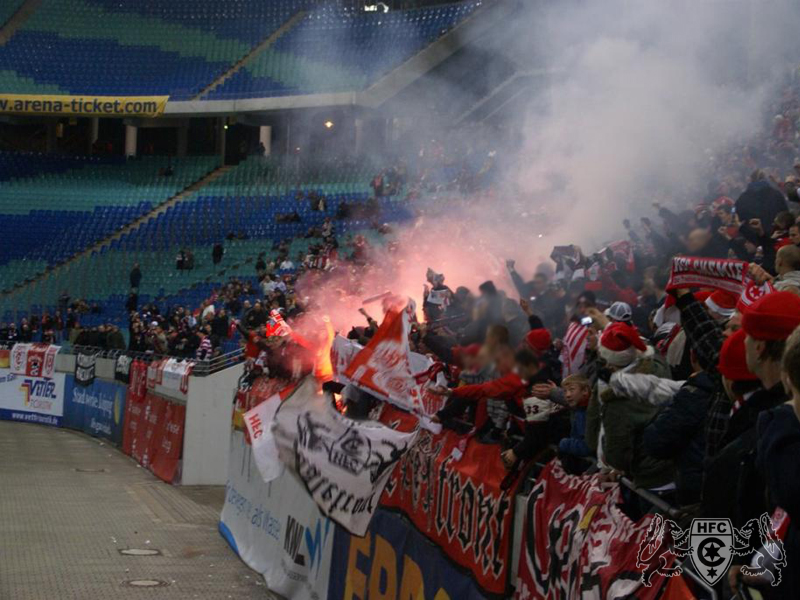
(615, 422)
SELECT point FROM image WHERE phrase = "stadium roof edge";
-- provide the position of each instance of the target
(374, 96)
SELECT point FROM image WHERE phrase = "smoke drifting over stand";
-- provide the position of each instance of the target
(639, 101)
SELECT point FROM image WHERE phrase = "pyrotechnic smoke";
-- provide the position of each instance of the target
(639, 101)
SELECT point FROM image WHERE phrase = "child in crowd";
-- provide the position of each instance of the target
(577, 391)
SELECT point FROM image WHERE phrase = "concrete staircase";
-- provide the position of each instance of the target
(271, 39)
(161, 208)
(17, 20)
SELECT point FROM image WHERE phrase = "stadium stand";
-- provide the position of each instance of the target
(179, 49)
(52, 207)
(335, 50)
(242, 203)
(7, 10)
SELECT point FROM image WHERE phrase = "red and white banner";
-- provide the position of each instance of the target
(573, 354)
(387, 369)
(577, 543)
(449, 487)
(383, 367)
(168, 442)
(753, 292)
(34, 360)
(718, 273)
(258, 422)
(153, 431)
(175, 375)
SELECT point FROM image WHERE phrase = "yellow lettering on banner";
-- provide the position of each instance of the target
(96, 106)
(384, 560)
(441, 595)
(355, 580)
(412, 587)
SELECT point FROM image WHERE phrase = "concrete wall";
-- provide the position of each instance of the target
(206, 438)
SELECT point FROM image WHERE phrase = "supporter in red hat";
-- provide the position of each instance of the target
(539, 340)
(732, 360)
(462, 352)
(772, 317)
(721, 304)
(767, 323)
(620, 345)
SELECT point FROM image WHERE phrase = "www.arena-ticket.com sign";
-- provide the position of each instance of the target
(83, 106)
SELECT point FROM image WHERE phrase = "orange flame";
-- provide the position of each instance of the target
(323, 367)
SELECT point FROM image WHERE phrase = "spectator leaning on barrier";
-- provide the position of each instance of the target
(615, 422)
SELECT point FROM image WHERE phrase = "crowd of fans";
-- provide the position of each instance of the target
(690, 394)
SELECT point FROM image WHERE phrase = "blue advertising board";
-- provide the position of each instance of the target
(393, 561)
(97, 409)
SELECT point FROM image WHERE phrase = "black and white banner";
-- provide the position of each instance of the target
(343, 463)
(85, 368)
(122, 370)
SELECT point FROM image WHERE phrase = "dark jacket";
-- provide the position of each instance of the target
(761, 200)
(136, 277)
(677, 433)
(623, 420)
(575, 444)
(733, 487)
(778, 459)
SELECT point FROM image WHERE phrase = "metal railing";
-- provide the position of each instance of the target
(201, 368)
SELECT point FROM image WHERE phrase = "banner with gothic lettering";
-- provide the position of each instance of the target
(577, 543)
(449, 486)
(343, 463)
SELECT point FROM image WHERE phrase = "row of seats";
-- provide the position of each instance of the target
(7, 9)
(249, 21)
(161, 47)
(335, 50)
(18, 165)
(48, 215)
(197, 223)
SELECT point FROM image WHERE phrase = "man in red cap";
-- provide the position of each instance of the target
(768, 323)
(778, 452)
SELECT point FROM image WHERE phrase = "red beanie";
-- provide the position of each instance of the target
(772, 317)
(732, 362)
(459, 352)
(722, 303)
(619, 344)
(539, 340)
(703, 295)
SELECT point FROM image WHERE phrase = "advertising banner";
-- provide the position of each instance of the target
(98, 409)
(32, 399)
(134, 405)
(450, 489)
(85, 367)
(344, 463)
(84, 106)
(34, 360)
(393, 561)
(577, 543)
(168, 442)
(153, 427)
(276, 528)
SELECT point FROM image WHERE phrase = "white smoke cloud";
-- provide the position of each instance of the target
(643, 94)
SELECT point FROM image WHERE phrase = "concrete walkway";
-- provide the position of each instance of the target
(69, 503)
